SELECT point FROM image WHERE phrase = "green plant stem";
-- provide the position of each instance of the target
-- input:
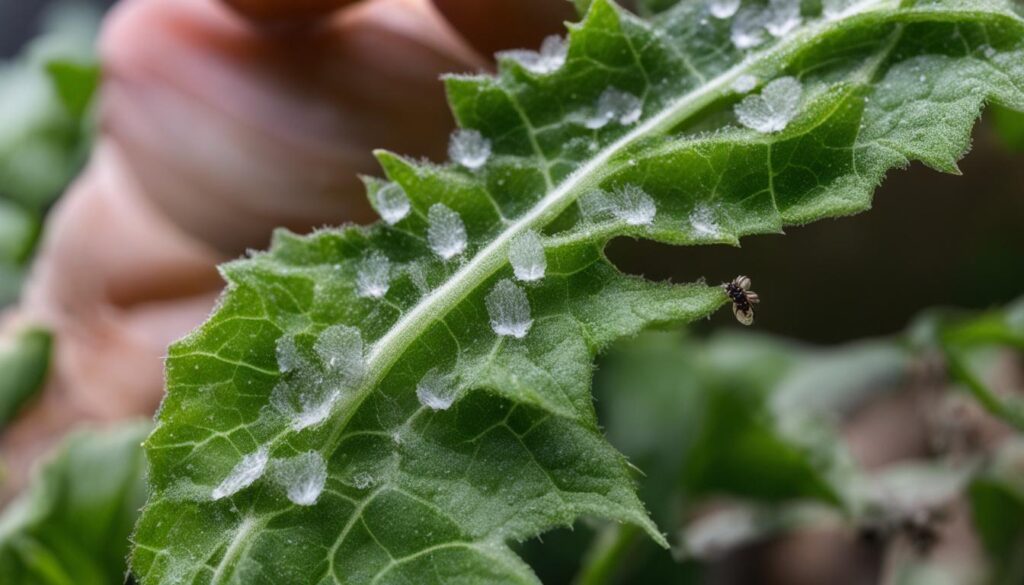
(606, 555)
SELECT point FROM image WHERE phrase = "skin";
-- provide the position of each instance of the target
(219, 121)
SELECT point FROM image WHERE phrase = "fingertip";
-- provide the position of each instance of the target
(495, 25)
(286, 11)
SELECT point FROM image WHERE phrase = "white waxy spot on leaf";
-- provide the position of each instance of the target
(308, 394)
(774, 108)
(509, 310)
(783, 17)
(836, 9)
(702, 221)
(436, 390)
(469, 148)
(418, 278)
(615, 105)
(392, 203)
(374, 276)
(748, 28)
(363, 480)
(340, 348)
(723, 8)
(288, 357)
(446, 233)
(632, 205)
(526, 253)
(242, 475)
(744, 83)
(304, 406)
(552, 55)
(302, 477)
(304, 397)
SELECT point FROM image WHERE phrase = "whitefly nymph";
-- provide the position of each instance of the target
(742, 298)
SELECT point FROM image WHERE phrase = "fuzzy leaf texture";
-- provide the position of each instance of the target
(397, 403)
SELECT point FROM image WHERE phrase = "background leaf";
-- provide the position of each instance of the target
(71, 525)
(24, 361)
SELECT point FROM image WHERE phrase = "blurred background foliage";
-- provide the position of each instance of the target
(884, 461)
(899, 459)
(45, 128)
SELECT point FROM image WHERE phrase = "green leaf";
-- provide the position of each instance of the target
(75, 83)
(970, 344)
(18, 231)
(1009, 124)
(71, 525)
(44, 95)
(11, 278)
(24, 361)
(997, 506)
(390, 403)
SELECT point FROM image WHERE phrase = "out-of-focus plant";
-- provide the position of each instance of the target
(24, 359)
(45, 129)
(45, 134)
(741, 439)
(71, 526)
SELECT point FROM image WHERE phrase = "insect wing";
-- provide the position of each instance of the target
(744, 317)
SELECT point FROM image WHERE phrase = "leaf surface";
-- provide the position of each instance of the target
(24, 361)
(396, 403)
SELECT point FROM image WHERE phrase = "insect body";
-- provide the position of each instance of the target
(742, 299)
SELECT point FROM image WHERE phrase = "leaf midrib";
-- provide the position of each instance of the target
(392, 345)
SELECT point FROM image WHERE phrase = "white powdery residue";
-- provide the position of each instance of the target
(436, 390)
(744, 83)
(302, 477)
(615, 105)
(748, 28)
(774, 108)
(469, 148)
(836, 9)
(702, 221)
(526, 254)
(392, 203)
(509, 310)
(446, 233)
(340, 348)
(373, 278)
(363, 480)
(632, 205)
(242, 475)
(551, 57)
(723, 9)
(418, 278)
(304, 407)
(288, 357)
(783, 17)
(594, 204)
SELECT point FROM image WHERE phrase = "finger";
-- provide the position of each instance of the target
(494, 25)
(116, 283)
(286, 10)
(233, 132)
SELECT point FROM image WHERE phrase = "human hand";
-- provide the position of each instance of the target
(218, 124)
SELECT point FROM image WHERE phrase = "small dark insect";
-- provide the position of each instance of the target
(742, 299)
